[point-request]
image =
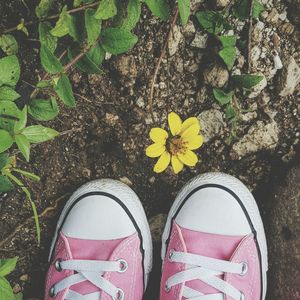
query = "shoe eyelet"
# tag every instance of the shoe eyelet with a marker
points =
(171, 253)
(123, 265)
(244, 268)
(242, 296)
(52, 293)
(58, 265)
(167, 288)
(120, 295)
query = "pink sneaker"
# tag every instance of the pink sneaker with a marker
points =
(102, 246)
(214, 245)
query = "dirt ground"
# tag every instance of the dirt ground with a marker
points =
(106, 135)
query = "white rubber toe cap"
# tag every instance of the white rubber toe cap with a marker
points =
(213, 210)
(98, 217)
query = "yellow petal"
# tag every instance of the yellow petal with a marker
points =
(163, 162)
(191, 131)
(188, 122)
(158, 135)
(155, 150)
(189, 158)
(175, 123)
(176, 164)
(194, 142)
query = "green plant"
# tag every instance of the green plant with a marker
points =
(6, 267)
(215, 22)
(90, 29)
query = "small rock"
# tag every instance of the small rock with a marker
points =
(157, 225)
(212, 123)
(256, 90)
(200, 40)
(174, 41)
(126, 180)
(17, 289)
(289, 77)
(111, 119)
(287, 28)
(273, 16)
(221, 3)
(140, 102)
(189, 29)
(24, 277)
(216, 75)
(277, 62)
(259, 137)
(255, 53)
(257, 33)
(126, 66)
(195, 4)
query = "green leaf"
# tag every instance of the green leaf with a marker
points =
(6, 292)
(159, 8)
(9, 114)
(6, 140)
(132, 15)
(8, 94)
(246, 81)
(49, 61)
(23, 145)
(4, 160)
(74, 27)
(19, 296)
(258, 8)
(5, 186)
(38, 134)
(212, 21)
(20, 125)
(184, 7)
(43, 110)
(106, 10)
(46, 38)
(91, 62)
(62, 25)
(64, 91)
(222, 97)
(241, 9)
(8, 44)
(228, 55)
(7, 266)
(228, 40)
(44, 83)
(10, 70)
(43, 8)
(117, 40)
(230, 112)
(28, 175)
(92, 25)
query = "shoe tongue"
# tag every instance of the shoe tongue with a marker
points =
(210, 245)
(91, 250)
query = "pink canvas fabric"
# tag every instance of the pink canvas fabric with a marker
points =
(131, 281)
(231, 248)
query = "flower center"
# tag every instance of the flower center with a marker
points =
(177, 145)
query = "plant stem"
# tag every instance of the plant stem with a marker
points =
(162, 54)
(250, 34)
(56, 16)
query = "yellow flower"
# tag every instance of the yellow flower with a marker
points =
(178, 147)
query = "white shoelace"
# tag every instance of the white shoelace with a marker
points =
(205, 269)
(92, 271)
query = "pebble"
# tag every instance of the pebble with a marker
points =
(175, 39)
(126, 181)
(260, 136)
(200, 40)
(212, 123)
(216, 75)
(289, 77)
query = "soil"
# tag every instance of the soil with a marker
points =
(106, 136)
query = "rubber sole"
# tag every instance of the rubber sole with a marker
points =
(246, 200)
(126, 198)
